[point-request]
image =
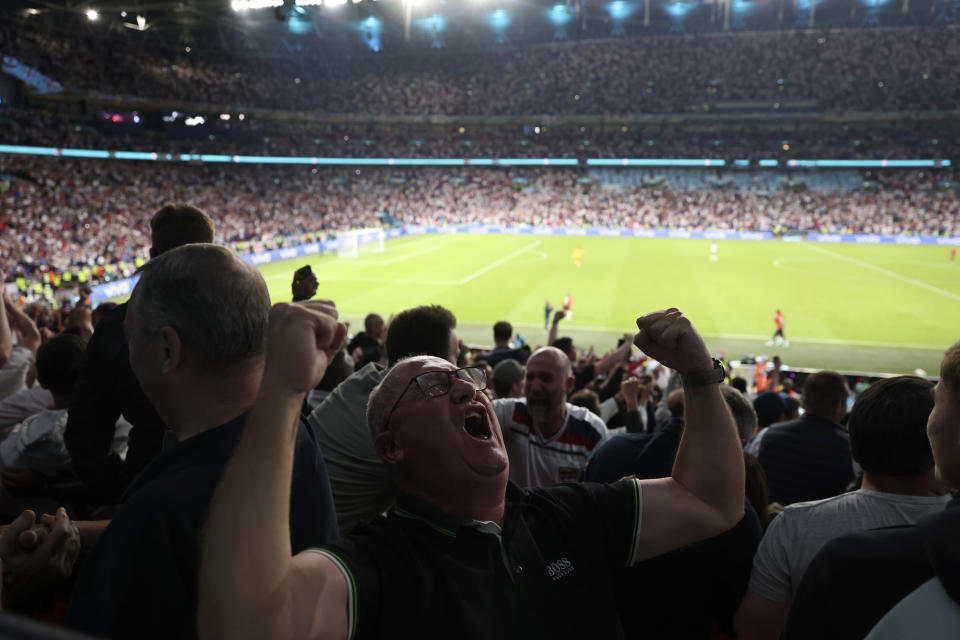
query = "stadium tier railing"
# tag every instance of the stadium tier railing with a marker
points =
(203, 158)
(123, 287)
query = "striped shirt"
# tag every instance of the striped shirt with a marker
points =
(536, 461)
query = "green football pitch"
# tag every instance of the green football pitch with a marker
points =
(876, 308)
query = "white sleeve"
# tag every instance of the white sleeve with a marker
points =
(770, 577)
(503, 408)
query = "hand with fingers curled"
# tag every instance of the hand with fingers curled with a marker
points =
(669, 337)
(37, 554)
(628, 392)
(302, 339)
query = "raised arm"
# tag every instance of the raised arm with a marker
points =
(616, 358)
(557, 317)
(29, 334)
(704, 496)
(250, 586)
(6, 336)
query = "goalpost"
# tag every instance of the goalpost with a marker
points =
(349, 241)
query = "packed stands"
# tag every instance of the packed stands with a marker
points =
(73, 213)
(883, 70)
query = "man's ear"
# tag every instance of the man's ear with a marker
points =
(570, 382)
(390, 452)
(172, 356)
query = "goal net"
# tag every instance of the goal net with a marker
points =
(349, 242)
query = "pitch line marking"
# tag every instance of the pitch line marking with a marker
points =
(387, 279)
(835, 341)
(739, 336)
(886, 272)
(405, 256)
(494, 265)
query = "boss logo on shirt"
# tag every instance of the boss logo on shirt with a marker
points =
(568, 474)
(559, 568)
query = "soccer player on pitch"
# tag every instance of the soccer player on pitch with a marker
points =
(778, 336)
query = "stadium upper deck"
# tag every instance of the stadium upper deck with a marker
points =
(890, 70)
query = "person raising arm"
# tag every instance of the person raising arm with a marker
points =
(442, 435)
(249, 514)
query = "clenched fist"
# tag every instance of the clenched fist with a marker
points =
(669, 337)
(303, 337)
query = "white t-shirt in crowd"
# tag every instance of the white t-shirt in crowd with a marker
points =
(37, 443)
(13, 374)
(796, 535)
(536, 461)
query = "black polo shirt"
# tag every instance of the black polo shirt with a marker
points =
(548, 573)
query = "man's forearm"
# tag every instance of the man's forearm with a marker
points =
(244, 580)
(6, 336)
(709, 462)
(615, 358)
(90, 531)
(553, 331)
(30, 335)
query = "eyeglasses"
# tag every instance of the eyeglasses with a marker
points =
(434, 384)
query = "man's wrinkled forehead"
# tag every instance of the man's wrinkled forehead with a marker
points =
(410, 367)
(406, 370)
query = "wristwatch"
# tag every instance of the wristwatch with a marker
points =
(703, 378)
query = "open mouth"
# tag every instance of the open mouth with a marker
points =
(475, 424)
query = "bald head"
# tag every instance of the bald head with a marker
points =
(552, 357)
(549, 379)
(385, 394)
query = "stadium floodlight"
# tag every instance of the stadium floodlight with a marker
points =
(334, 3)
(370, 30)
(433, 24)
(499, 20)
(620, 10)
(194, 121)
(558, 15)
(92, 15)
(679, 10)
(244, 5)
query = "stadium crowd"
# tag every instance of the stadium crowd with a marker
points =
(264, 473)
(196, 463)
(728, 140)
(71, 214)
(838, 70)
